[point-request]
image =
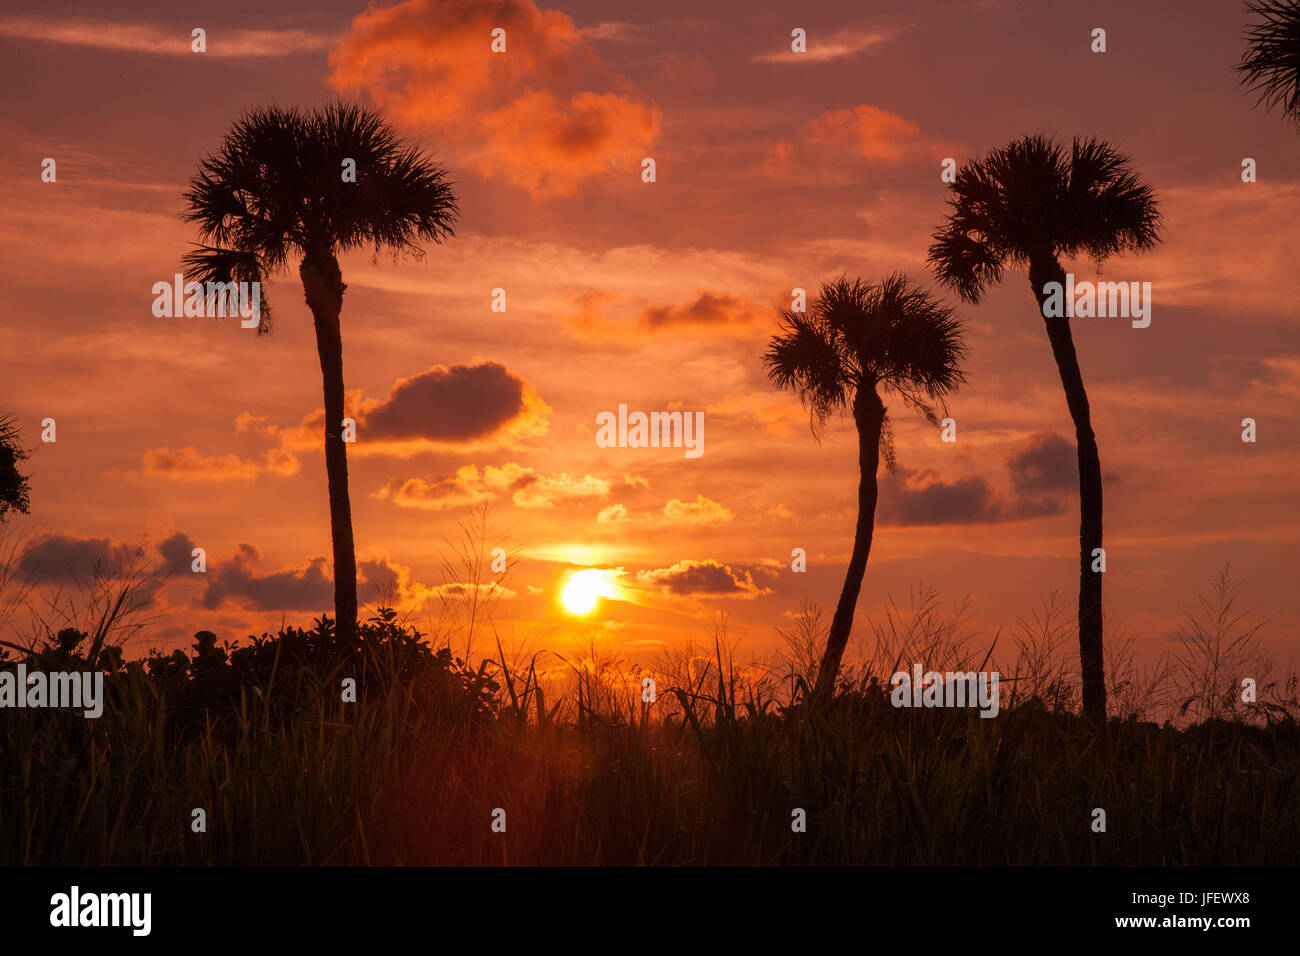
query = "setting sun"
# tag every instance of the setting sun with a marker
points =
(583, 590)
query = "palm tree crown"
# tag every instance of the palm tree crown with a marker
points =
(1270, 66)
(858, 335)
(276, 187)
(1031, 200)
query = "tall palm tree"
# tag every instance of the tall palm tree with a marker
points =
(277, 189)
(1029, 204)
(855, 339)
(1270, 65)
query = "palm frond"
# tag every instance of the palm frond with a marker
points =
(1270, 64)
(276, 187)
(858, 335)
(1032, 199)
(213, 264)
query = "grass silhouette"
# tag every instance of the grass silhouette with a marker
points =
(588, 773)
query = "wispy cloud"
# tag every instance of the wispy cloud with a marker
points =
(154, 39)
(837, 46)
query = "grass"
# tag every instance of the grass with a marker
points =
(711, 773)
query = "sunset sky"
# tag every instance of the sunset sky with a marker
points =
(774, 171)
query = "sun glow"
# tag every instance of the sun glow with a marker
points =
(584, 589)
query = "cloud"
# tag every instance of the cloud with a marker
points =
(60, 558)
(189, 466)
(430, 65)
(844, 43)
(549, 146)
(707, 313)
(459, 406)
(237, 581)
(525, 486)
(153, 39)
(702, 579)
(1046, 463)
(530, 489)
(910, 497)
(862, 133)
(456, 404)
(450, 491)
(186, 464)
(309, 587)
(460, 589)
(675, 514)
(615, 30)
(177, 553)
(708, 309)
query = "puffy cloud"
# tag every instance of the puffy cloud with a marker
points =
(531, 489)
(309, 587)
(457, 404)
(707, 313)
(462, 406)
(702, 579)
(526, 487)
(675, 514)
(177, 553)
(451, 491)
(1047, 462)
(430, 65)
(237, 581)
(59, 558)
(707, 309)
(911, 497)
(186, 464)
(549, 146)
(861, 133)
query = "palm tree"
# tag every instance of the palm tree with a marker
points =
(278, 187)
(854, 339)
(1029, 204)
(1270, 66)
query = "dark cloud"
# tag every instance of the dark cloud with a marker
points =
(459, 403)
(380, 581)
(706, 309)
(702, 579)
(306, 588)
(58, 558)
(1046, 463)
(309, 588)
(910, 497)
(177, 553)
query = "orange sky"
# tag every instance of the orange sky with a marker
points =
(773, 172)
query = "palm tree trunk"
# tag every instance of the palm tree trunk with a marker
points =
(869, 414)
(322, 282)
(1091, 657)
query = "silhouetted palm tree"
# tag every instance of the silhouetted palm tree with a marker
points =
(855, 338)
(276, 189)
(1029, 204)
(1270, 65)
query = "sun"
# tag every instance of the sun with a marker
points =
(582, 591)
